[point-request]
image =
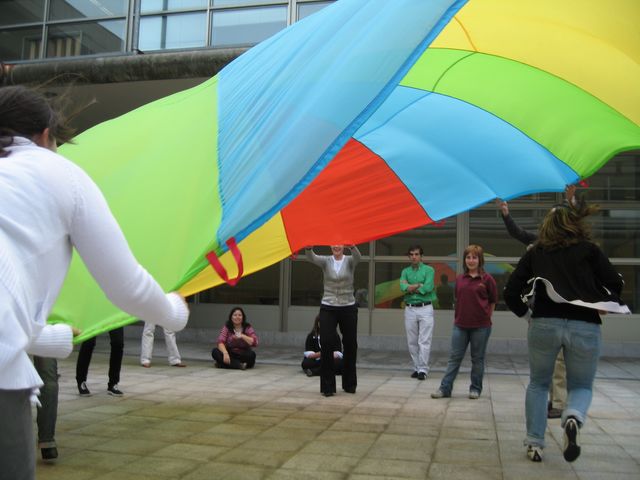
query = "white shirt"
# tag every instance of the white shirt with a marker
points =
(47, 206)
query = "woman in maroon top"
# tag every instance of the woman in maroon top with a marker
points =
(476, 297)
(236, 342)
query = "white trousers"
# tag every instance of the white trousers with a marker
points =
(146, 351)
(418, 322)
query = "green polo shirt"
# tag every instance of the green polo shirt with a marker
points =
(424, 274)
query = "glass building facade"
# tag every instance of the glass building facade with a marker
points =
(44, 29)
(48, 30)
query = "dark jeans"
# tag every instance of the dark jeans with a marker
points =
(460, 338)
(314, 365)
(237, 359)
(347, 319)
(47, 368)
(115, 358)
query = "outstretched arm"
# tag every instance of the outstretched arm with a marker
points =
(514, 230)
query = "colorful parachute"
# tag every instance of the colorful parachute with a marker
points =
(345, 127)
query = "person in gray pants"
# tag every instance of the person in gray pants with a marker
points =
(47, 415)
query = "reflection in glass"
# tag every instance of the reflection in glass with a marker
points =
(500, 272)
(164, 5)
(90, 38)
(260, 288)
(616, 231)
(15, 12)
(631, 290)
(161, 32)
(247, 26)
(20, 44)
(617, 181)
(307, 287)
(64, 9)
(435, 240)
(238, 3)
(306, 9)
(389, 295)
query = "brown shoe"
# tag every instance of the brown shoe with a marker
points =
(180, 365)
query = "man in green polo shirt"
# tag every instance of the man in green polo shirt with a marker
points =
(416, 281)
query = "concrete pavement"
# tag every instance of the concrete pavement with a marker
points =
(271, 422)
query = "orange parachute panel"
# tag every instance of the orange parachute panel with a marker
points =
(336, 208)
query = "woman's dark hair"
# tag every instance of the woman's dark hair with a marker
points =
(565, 225)
(26, 112)
(229, 323)
(315, 331)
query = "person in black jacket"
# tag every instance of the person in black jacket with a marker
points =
(558, 389)
(572, 283)
(312, 354)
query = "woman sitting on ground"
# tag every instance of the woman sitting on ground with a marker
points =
(236, 342)
(312, 354)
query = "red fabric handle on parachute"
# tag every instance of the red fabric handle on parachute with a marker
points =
(214, 261)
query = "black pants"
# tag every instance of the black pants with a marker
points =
(347, 319)
(115, 358)
(237, 359)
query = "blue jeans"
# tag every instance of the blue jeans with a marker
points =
(460, 338)
(580, 342)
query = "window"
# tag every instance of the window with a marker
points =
(616, 189)
(487, 229)
(20, 43)
(260, 288)
(306, 9)
(185, 30)
(247, 26)
(15, 12)
(631, 290)
(435, 240)
(72, 9)
(163, 5)
(87, 38)
(387, 288)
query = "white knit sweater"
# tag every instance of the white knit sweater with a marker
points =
(48, 205)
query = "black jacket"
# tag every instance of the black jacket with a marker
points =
(573, 282)
(517, 232)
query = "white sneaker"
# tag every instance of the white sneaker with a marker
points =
(571, 450)
(534, 453)
(474, 394)
(439, 394)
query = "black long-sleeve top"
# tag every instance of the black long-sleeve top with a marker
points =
(517, 232)
(573, 282)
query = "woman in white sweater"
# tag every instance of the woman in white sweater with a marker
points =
(48, 206)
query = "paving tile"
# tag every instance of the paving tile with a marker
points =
(317, 462)
(285, 474)
(455, 471)
(227, 471)
(392, 468)
(158, 466)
